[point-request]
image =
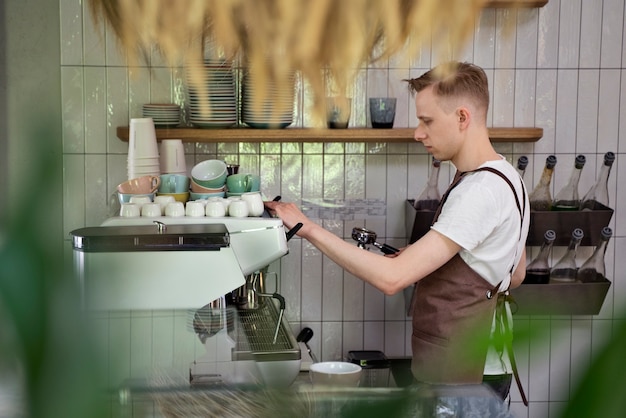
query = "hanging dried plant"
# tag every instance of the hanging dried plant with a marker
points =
(318, 38)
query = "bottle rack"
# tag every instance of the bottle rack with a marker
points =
(545, 299)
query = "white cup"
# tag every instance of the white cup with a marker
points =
(163, 200)
(255, 203)
(130, 210)
(172, 156)
(140, 200)
(142, 142)
(215, 209)
(175, 209)
(194, 209)
(238, 208)
(151, 210)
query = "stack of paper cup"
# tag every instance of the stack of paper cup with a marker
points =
(172, 157)
(143, 152)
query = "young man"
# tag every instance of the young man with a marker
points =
(475, 248)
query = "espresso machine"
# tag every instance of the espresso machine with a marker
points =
(215, 269)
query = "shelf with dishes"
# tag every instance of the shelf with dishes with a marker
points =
(395, 135)
(573, 298)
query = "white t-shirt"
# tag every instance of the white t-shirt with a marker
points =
(481, 216)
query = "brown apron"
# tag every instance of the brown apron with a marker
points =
(453, 310)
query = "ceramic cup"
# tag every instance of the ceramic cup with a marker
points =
(175, 209)
(243, 183)
(382, 112)
(142, 142)
(238, 209)
(172, 156)
(140, 200)
(140, 185)
(215, 209)
(255, 203)
(338, 112)
(151, 210)
(163, 200)
(130, 210)
(125, 197)
(174, 183)
(194, 209)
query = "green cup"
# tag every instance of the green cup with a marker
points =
(243, 183)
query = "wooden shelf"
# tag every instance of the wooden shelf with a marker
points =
(397, 135)
(515, 3)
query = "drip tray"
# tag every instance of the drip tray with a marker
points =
(254, 339)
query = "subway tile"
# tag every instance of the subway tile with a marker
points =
(394, 339)
(503, 97)
(581, 350)
(373, 304)
(505, 38)
(608, 110)
(71, 32)
(569, 34)
(548, 36)
(587, 111)
(590, 34)
(332, 291)
(399, 89)
(353, 290)
(332, 348)
(114, 53)
(567, 83)
(73, 192)
(93, 40)
(612, 44)
(618, 286)
(526, 38)
(116, 107)
(141, 361)
(96, 192)
(161, 86)
(138, 90)
(311, 283)
(396, 195)
(539, 362)
(352, 336)
(95, 110)
(484, 38)
(374, 335)
(72, 98)
(560, 359)
(545, 112)
(524, 99)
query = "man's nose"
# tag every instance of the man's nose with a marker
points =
(419, 135)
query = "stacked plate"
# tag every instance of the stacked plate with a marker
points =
(165, 115)
(212, 104)
(267, 107)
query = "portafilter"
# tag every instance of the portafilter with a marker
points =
(364, 236)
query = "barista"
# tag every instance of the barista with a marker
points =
(475, 248)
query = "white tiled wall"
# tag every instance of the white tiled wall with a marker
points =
(559, 67)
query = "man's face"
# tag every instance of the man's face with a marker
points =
(437, 128)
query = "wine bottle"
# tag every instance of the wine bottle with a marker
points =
(540, 198)
(593, 269)
(522, 163)
(567, 199)
(428, 199)
(598, 196)
(565, 269)
(538, 271)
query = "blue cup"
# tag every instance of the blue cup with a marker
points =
(174, 183)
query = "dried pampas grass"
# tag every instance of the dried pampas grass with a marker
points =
(321, 39)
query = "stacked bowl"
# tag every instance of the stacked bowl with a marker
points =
(164, 115)
(143, 152)
(267, 105)
(212, 98)
(208, 179)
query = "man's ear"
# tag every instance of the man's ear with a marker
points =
(463, 116)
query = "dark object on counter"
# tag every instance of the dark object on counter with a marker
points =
(375, 367)
(305, 336)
